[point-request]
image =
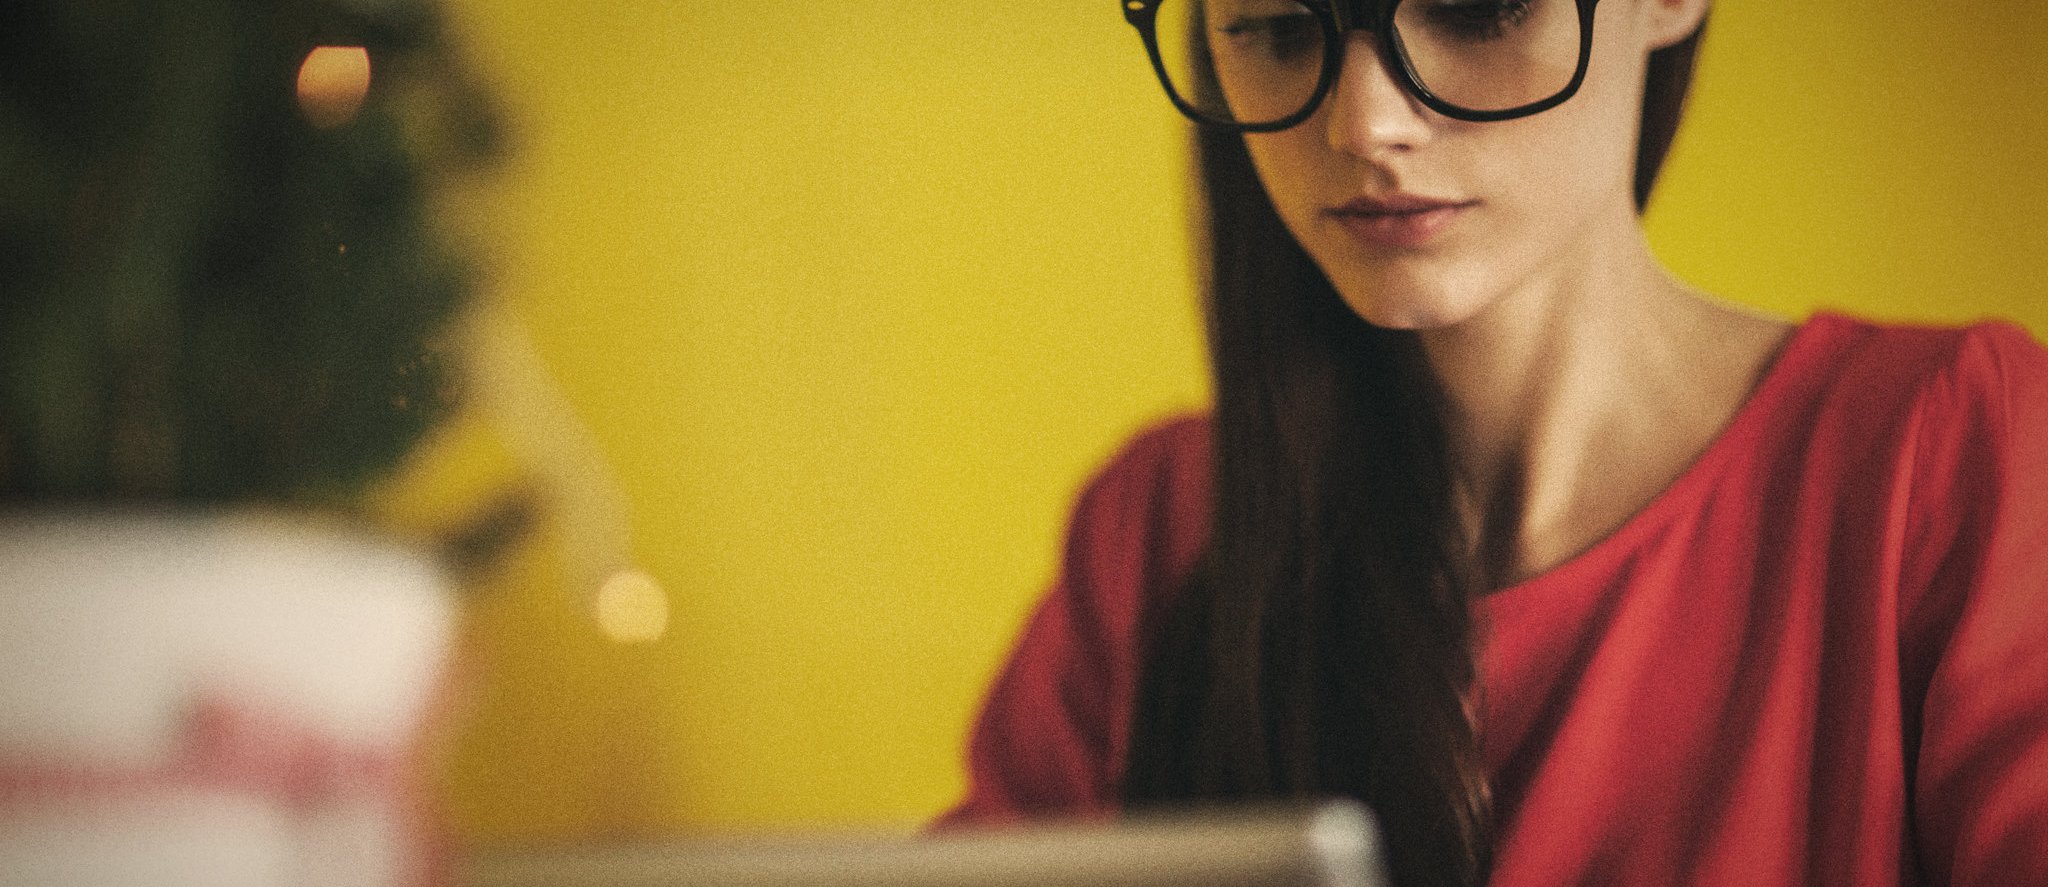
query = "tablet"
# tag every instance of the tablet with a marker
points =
(1330, 845)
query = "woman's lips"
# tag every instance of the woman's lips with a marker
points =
(1398, 221)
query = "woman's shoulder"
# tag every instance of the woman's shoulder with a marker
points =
(1979, 357)
(1051, 736)
(1176, 445)
(1873, 380)
(1143, 519)
(1957, 418)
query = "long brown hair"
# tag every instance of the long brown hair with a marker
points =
(1323, 645)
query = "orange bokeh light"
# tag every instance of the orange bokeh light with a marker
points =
(333, 81)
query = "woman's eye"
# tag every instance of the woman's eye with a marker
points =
(1285, 36)
(1478, 21)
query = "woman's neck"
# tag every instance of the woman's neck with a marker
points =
(1575, 400)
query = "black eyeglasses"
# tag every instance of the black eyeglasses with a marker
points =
(1264, 65)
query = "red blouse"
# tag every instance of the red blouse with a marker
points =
(1819, 657)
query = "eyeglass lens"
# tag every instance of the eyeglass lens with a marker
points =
(1258, 61)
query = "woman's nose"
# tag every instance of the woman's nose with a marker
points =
(1369, 114)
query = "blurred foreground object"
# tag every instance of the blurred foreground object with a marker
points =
(209, 299)
(222, 300)
(215, 701)
(1335, 844)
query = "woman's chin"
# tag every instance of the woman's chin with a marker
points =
(1412, 292)
(1402, 309)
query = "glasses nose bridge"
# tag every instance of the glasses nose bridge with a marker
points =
(1361, 14)
(1373, 17)
(1369, 104)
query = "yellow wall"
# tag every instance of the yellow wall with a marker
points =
(1886, 159)
(853, 295)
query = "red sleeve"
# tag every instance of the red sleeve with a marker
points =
(1981, 775)
(1050, 738)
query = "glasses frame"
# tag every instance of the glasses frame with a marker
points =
(1143, 15)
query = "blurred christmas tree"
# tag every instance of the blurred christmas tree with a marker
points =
(212, 287)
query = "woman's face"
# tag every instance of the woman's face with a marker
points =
(1424, 221)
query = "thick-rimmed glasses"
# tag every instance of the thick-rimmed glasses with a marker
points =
(1264, 65)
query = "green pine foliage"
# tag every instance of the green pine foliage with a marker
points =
(205, 298)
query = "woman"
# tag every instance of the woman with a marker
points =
(1573, 574)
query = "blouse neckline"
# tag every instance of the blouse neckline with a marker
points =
(1789, 370)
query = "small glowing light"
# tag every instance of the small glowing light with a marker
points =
(333, 80)
(631, 608)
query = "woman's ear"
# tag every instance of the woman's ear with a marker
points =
(1669, 21)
